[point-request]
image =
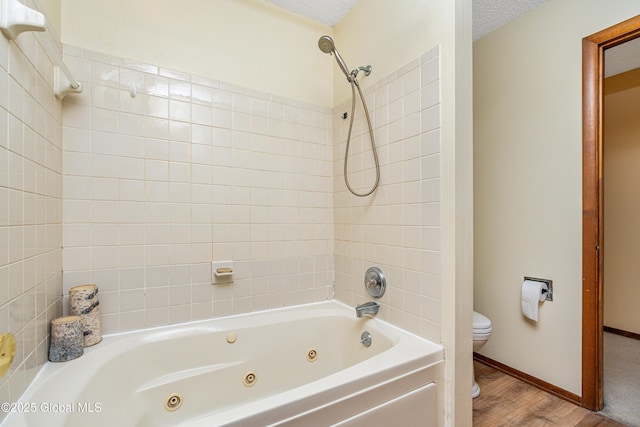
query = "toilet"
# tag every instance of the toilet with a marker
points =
(481, 333)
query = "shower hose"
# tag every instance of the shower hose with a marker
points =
(354, 85)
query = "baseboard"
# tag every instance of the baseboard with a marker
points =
(621, 332)
(536, 382)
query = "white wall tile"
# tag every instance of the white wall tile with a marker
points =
(104, 189)
(394, 90)
(156, 85)
(131, 256)
(104, 234)
(105, 74)
(156, 128)
(179, 172)
(179, 89)
(130, 124)
(30, 219)
(103, 257)
(430, 119)
(131, 212)
(131, 168)
(77, 163)
(156, 170)
(156, 149)
(104, 166)
(104, 120)
(106, 97)
(179, 151)
(179, 131)
(399, 227)
(201, 134)
(240, 121)
(76, 187)
(430, 94)
(430, 71)
(201, 93)
(77, 211)
(201, 114)
(130, 300)
(186, 173)
(430, 190)
(76, 258)
(223, 118)
(103, 210)
(104, 143)
(180, 110)
(131, 234)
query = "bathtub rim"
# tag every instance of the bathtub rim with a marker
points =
(196, 326)
(359, 375)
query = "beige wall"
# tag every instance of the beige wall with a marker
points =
(249, 43)
(386, 35)
(52, 10)
(622, 204)
(527, 181)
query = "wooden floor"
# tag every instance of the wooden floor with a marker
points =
(507, 401)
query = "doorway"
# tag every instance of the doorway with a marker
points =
(593, 48)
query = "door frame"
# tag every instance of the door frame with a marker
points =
(593, 48)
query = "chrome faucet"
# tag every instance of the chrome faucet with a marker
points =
(370, 307)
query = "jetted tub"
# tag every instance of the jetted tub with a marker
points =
(302, 365)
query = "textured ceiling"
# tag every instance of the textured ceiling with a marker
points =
(328, 12)
(488, 15)
(621, 58)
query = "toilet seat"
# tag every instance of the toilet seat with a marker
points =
(481, 326)
(481, 334)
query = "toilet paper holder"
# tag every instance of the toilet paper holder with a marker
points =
(548, 292)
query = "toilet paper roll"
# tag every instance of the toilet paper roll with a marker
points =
(531, 296)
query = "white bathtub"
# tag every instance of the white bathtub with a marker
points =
(127, 378)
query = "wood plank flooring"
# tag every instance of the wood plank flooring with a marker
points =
(507, 401)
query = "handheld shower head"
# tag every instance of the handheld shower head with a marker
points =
(326, 44)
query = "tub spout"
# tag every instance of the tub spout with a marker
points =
(370, 307)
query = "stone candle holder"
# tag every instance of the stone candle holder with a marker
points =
(66, 339)
(83, 301)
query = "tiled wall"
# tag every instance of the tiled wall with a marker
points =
(188, 171)
(30, 205)
(398, 228)
(192, 170)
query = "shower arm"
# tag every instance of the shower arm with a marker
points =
(352, 77)
(367, 70)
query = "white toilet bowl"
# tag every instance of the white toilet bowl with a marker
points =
(481, 333)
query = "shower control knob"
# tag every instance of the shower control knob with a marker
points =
(375, 282)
